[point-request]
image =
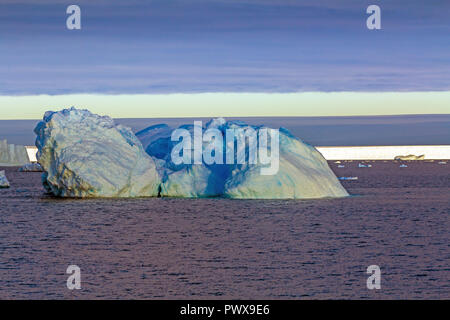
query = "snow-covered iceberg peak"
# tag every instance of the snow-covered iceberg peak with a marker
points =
(86, 155)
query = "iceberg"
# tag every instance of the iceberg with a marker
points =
(4, 183)
(303, 172)
(86, 155)
(12, 155)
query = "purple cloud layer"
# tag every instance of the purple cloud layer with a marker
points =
(215, 45)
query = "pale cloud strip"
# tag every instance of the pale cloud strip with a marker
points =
(232, 104)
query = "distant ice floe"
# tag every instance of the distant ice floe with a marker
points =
(85, 155)
(4, 183)
(410, 157)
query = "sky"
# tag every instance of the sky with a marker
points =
(171, 58)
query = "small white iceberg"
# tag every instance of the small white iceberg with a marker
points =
(341, 166)
(362, 165)
(4, 183)
(403, 166)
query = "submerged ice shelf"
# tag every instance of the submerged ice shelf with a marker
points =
(86, 155)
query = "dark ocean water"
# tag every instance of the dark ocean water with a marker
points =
(397, 218)
(318, 131)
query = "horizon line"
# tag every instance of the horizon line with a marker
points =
(193, 117)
